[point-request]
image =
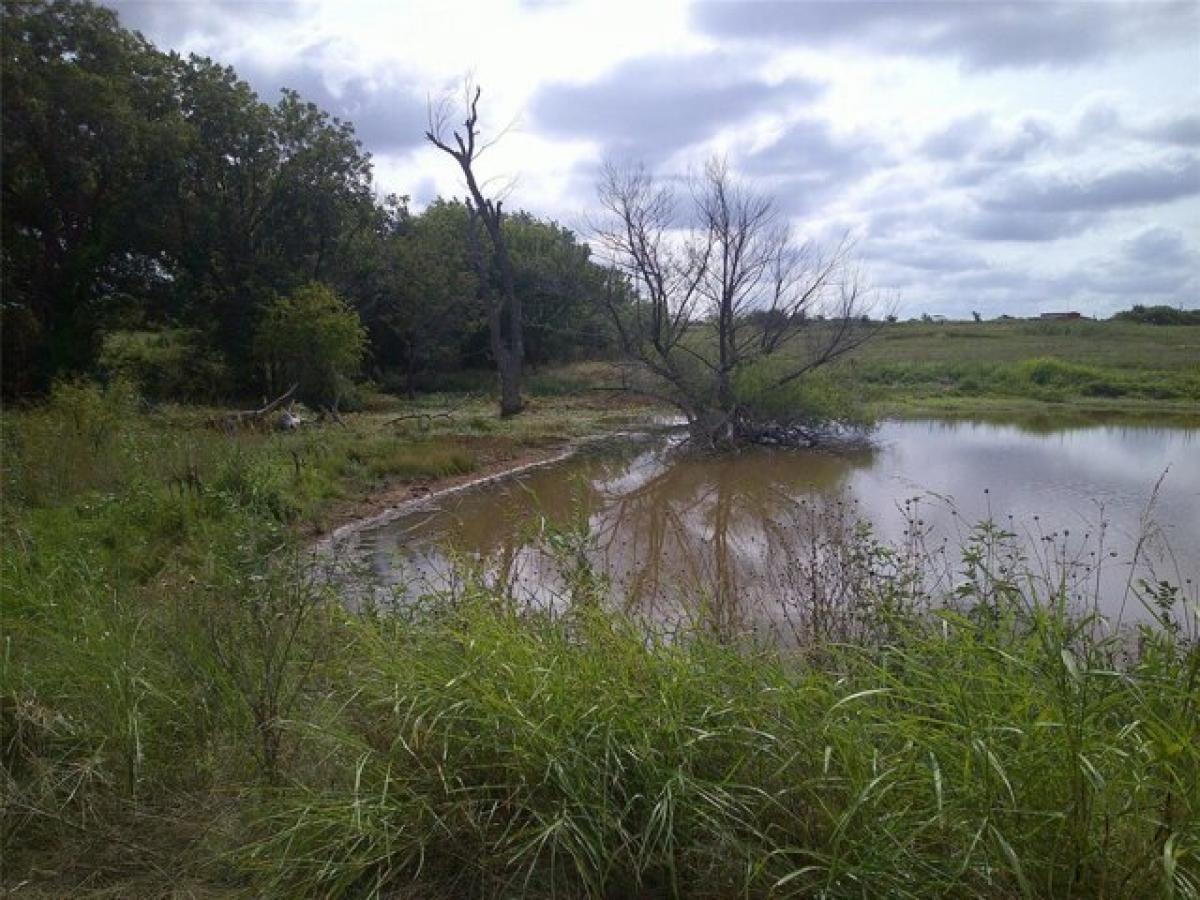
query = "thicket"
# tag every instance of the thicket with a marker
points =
(313, 340)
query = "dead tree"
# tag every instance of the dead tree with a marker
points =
(505, 326)
(730, 292)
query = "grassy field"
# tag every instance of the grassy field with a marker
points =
(187, 708)
(913, 368)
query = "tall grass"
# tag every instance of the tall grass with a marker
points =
(185, 705)
(489, 753)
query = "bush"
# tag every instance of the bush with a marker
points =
(1159, 315)
(822, 396)
(170, 364)
(74, 443)
(311, 338)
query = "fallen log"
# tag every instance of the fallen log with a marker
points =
(424, 418)
(231, 422)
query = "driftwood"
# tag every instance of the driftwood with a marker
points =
(235, 420)
(425, 419)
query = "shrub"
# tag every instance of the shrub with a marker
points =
(170, 364)
(824, 395)
(1159, 315)
(311, 338)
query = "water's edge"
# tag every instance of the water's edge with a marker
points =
(348, 530)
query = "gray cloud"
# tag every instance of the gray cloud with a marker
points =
(1157, 182)
(1129, 281)
(984, 34)
(1030, 135)
(958, 139)
(387, 116)
(1183, 129)
(1159, 247)
(809, 163)
(979, 139)
(168, 24)
(653, 107)
(1021, 225)
(926, 256)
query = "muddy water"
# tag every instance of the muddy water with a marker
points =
(673, 532)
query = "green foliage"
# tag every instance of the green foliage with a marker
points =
(561, 289)
(825, 395)
(173, 363)
(1159, 315)
(313, 339)
(179, 202)
(91, 147)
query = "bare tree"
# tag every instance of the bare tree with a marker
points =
(505, 331)
(731, 292)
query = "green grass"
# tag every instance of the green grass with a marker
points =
(491, 754)
(1105, 365)
(186, 707)
(1116, 345)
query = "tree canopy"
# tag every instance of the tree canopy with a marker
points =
(145, 192)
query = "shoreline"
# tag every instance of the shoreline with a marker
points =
(401, 499)
(393, 503)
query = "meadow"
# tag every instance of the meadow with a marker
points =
(917, 367)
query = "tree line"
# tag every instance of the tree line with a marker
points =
(160, 216)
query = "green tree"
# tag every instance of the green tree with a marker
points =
(274, 198)
(313, 339)
(430, 309)
(92, 140)
(562, 291)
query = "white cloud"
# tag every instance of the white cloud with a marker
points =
(994, 155)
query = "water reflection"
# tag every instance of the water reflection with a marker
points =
(732, 538)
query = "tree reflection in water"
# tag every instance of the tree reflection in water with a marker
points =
(768, 540)
(761, 541)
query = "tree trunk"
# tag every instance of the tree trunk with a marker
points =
(508, 348)
(510, 385)
(410, 371)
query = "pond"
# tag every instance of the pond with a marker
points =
(742, 535)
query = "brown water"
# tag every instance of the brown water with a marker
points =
(672, 532)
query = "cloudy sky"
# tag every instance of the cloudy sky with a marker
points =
(1006, 157)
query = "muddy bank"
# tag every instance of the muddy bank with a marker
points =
(392, 503)
(387, 504)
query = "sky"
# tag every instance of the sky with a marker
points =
(1000, 157)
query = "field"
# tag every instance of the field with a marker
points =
(913, 368)
(188, 710)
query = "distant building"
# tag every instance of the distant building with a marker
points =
(1061, 316)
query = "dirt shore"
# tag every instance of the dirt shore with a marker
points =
(397, 500)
